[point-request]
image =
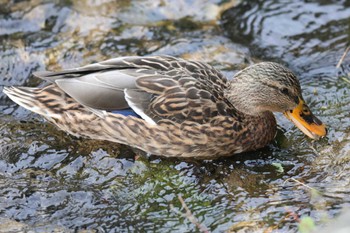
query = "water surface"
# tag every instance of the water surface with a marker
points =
(52, 181)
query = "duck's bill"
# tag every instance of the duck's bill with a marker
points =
(303, 118)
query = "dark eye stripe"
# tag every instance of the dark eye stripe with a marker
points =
(284, 91)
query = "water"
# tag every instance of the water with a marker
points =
(52, 181)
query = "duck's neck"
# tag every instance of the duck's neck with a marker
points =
(260, 130)
(260, 123)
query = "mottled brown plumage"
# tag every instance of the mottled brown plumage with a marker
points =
(189, 109)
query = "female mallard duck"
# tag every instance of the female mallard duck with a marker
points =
(171, 107)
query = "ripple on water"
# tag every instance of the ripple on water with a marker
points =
(307, 35)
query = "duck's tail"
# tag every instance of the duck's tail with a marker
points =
(43, 101)
(78, 120)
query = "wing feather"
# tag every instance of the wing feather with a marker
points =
(157, 88)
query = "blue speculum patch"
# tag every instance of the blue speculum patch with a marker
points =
(126, 112)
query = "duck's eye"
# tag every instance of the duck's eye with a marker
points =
(285, 91)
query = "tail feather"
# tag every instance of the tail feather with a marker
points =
(24, 97)
(38, 100)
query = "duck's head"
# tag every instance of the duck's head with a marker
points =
(269, 86)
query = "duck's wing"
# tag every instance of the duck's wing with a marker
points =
(101, 88)
(156, 88)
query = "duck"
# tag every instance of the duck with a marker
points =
(171, 107)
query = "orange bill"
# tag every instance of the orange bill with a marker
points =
(303, 118)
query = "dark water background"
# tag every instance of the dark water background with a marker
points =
(52, 181)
